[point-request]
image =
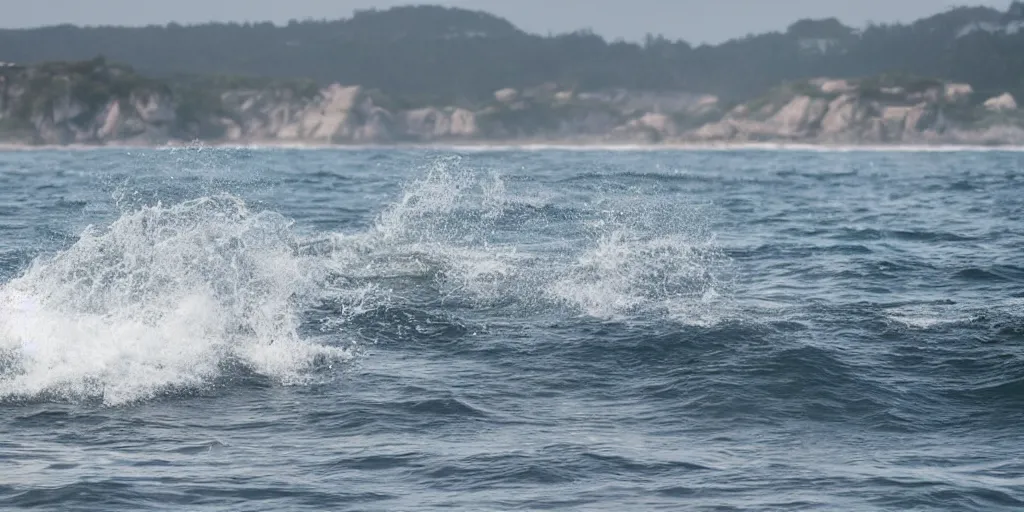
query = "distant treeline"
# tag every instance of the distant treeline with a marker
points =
(450, 55)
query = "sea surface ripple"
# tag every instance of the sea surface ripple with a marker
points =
(384, 329)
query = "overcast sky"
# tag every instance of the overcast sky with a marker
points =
(694, 20)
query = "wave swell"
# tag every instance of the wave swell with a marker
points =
(171, 297)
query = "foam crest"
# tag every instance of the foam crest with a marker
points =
(631, 271)
(180, 297)
(425, 208)
(475, 241)
(165, 298)
(440, 231)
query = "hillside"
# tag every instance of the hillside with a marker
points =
(455, 56)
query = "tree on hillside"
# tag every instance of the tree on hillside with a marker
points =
(451, 54)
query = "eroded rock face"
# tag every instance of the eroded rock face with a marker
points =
(429, 124)
(111, 121)
(328, 119)
(799, 117)
(840, 115)
(338, 114)
(154, 108)
(62, 118)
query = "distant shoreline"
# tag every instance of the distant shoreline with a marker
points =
(532, 146)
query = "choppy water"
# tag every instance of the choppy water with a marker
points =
(202, 329)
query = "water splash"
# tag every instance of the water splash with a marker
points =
(177, 297)
(164, 298)
(477, 242)
(642, 257)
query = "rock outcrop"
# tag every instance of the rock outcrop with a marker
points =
(884, 110)
(83, 103)
(336, 114)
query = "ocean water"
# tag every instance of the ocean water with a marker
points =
(256, 329)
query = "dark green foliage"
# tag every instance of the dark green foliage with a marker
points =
(425, 22)
(827, 28)
(433, 52)
(457, 56)
(13, 128)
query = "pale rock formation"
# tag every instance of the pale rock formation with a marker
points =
(325, 120)
(464, 124)
(507, 95)
(957, 92)
(723, 130)
(660, 123)
(111, 121)
(834, 86)
(790, 118)
(154, 108)
(896, 114)
(842, 113)
(799, 116)
(1001, 103)
(914, 121)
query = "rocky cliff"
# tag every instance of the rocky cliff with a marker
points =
(98, 103)
(879, 110)
(83, 103)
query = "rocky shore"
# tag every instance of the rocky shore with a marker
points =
(95, 103)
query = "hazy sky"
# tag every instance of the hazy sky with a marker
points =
(694, 20)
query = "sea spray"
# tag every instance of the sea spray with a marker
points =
(644, 258)
(466, 239)
(163, 298)
(182, 296)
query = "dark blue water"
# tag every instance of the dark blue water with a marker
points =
(206, 329)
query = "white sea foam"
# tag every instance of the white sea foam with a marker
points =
(936, 316)
(631, 255)
(647, 262)
(164, 298)
(928, 316)
(439, 229)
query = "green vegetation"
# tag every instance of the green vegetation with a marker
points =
(15, 129)
(450, 55)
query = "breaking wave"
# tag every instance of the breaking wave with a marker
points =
(172, 298)
(163, 298)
